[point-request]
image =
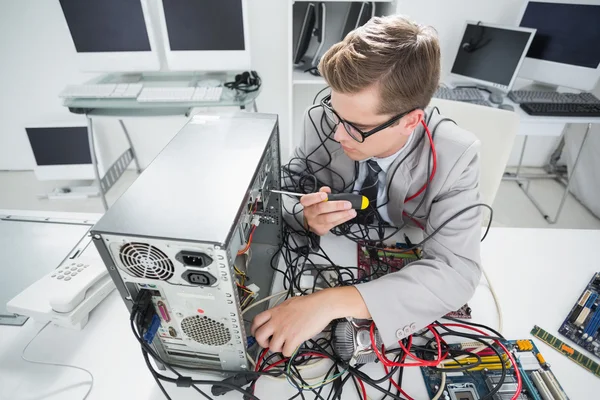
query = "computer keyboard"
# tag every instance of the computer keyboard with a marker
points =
(102, 91)
(562, 109)
(459, 94)
(179, 94)
(527, 96)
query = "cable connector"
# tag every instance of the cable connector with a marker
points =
(256, 220)
(152, 329)
(236, 380)
(140, 303)
(184, 381)
(253, 288)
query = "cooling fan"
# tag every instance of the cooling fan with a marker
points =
(143, 260)
(352, 341)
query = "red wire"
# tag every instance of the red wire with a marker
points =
(421, 363)
(414, 220)
(396, 385)
(245, 249)
(434, 154)
(508, 353)
(362, 388)
(262, 355)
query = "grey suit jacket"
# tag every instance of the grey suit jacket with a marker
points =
(445, 279)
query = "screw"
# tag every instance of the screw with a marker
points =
(96, 236)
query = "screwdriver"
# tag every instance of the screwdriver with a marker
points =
(359, 202)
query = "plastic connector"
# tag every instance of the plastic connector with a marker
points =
(253, 288)
(250, 341)
(184, 381)
(141, 303)
(236, 380)
(152, 329)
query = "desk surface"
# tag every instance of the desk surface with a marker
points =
(537, 273)
(106, 106)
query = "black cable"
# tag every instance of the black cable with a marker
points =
(318, 93)
(498, 334)
(192, 381)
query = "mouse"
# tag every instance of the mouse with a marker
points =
(507, 107)
(496, 97)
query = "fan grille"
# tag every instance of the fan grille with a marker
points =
(205, 330)
(146, 261)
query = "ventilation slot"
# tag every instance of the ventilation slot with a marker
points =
(145, 261)
(205, 330)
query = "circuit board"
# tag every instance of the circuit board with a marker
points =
(376, 262)
(538, 381)
(566, 350)
(583, 322)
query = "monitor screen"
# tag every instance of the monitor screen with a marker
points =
(490, 54)
(99, 26)
(204, 25)
(566, 33)
(60, 145)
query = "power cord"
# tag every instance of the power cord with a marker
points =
(56, 364)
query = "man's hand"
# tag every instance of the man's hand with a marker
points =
(321, 216)
(288, 325)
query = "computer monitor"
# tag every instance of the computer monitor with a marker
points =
(205, 35)
(61, 152)
(320, 31)
(565, 50)
(111, 35)
(306, 30)
(358, 14)
(491, 54)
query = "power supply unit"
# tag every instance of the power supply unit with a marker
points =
(176, 233)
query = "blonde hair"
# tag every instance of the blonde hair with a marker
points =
(399, 56)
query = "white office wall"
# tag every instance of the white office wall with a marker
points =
(448, 18)
(38, 60)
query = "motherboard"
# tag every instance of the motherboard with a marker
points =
(374, 262)
(538, 381)
(583, 322)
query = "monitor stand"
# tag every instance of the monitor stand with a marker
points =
(75, 191)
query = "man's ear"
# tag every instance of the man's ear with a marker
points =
(412, 120)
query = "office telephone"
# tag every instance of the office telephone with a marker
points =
(66, 295)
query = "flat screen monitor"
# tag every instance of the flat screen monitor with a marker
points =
(491, 54)
(61, 152)
(111, 35)
(566, 47)
(307, 28)
(205, 35)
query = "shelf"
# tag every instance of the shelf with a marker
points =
(300, 77)
(344, 1)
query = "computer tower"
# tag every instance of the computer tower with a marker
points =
(177, 230)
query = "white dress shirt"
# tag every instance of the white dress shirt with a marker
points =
(384, 164)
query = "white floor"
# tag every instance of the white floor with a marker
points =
(19, 190)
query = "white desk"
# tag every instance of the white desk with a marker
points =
(532, 125)
(538, 275)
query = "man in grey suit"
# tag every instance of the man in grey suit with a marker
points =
(416, 167)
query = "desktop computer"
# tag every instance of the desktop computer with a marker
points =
(491, 55)
(191, 243)
(112, 35)
(63, 153)
(565, 50)
(205, 35)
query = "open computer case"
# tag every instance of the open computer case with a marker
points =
(177, 230)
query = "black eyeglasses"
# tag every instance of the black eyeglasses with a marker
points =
(352, 130)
